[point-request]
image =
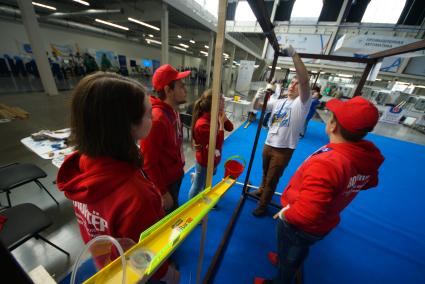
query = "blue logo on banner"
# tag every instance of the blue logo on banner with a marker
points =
(395, 110)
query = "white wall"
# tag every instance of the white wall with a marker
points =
(13, 35)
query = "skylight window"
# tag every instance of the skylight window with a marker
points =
(306, 10)
(244, 13)
(210, 5)
(383, 11)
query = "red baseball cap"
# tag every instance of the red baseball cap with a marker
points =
(355, 115)
(165, 74)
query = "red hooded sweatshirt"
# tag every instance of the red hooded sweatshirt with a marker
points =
(202, 138)
(162, 149)
(110, 197)
(327, 182)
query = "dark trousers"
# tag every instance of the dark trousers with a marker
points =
(174, 190)
(275, 161)
(292, 248)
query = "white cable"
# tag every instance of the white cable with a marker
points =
(88, 245)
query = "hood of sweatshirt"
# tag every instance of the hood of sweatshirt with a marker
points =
(87, 180)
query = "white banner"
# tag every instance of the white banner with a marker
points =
(246, 69)
(303, 43)
(392, 115)
(367, 44)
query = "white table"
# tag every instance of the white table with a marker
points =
(54, 150)
(242, 103)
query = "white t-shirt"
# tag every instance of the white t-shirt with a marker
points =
(286, 122)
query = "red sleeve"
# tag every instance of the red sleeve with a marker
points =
(228, 125)
(316, 194)
(151, 150)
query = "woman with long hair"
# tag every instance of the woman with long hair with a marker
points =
(103, 178)
(200, 138)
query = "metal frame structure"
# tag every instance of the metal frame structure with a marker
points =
(260, 12)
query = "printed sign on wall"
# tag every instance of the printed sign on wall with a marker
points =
(392, 115)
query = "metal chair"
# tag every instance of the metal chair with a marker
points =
(23, 222)
(186, 120)
(15, 175)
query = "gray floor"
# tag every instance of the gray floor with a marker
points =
(53, 113)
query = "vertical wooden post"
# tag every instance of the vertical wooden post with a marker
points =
(218, 61)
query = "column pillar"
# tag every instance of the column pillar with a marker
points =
(35, 37)
(229, 76)
(164, 34)
(209, 59)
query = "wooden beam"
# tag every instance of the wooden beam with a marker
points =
(362, 81)
(216, 94)
(411, 47)
(218, 61)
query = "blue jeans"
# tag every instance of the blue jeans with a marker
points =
(199, 180)
(293, 246)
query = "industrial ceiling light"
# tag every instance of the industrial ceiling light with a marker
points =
(204, 52)
(345, 75)
(225, 54)
(179, 48)
(184, 45)
(44, 6)
(153, 41)
(206, 46)
(192, 41)
(150, 35)
(143, 24)
(179, 36)
(112, 24)
(85, 3)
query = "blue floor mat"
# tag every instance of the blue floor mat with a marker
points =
(379, 240)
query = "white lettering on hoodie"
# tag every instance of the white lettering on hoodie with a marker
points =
(356, 183)
(89, 219)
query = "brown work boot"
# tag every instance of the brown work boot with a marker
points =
(260, 211)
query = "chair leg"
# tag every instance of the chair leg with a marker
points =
(52, 244)
(8, 199)
(45, 189)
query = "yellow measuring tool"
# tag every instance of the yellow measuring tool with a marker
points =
(160, 240)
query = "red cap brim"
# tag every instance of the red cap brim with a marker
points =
(182, 75)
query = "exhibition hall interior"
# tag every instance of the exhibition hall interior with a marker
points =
(212, 141)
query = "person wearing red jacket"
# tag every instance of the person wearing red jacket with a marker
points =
(325, 184)
(201, 135)
(103, 178)
(162, 149)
